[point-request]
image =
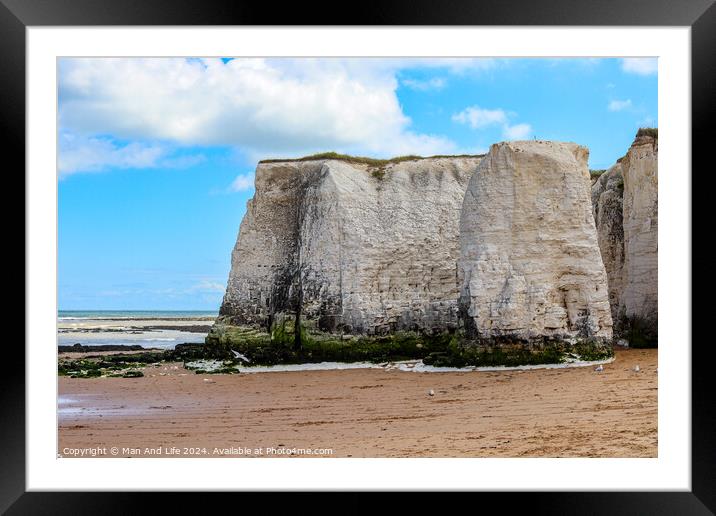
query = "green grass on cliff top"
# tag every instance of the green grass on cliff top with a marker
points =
(643, 131)
(648, 131)
(367, 161)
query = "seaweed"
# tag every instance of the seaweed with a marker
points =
(640, 332)
(445, 349)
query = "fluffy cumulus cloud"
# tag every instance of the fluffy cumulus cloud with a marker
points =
(478, 118)
(640, 65)
(276, 107)
(619, 105)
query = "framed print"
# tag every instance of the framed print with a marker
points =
(417, 252)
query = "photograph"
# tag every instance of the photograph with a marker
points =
(357, 257)
(414, 249)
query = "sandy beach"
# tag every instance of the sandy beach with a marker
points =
(573, 412)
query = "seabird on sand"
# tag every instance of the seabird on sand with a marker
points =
(637, 368)
(240, 356)
(431, 392)
(599, 368)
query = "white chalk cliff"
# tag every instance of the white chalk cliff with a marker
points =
(607, 204)
(350, 248)
(530, 267)
(641, 217)
(513, 247)
(626, 213)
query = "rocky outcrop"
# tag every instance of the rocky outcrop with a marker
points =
(530, 268)
(607, 203)
(625, 201)
(512, 248)
(340, 247)
(641, 216)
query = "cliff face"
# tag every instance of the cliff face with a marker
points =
(607, 202)
(512, 247)
(342, 247)
(625, 203)
(641, 216)
(530, 266)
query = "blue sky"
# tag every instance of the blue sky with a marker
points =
(156, 156)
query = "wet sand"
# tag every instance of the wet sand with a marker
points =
(75, 355)
(574, 412)
(147, 332)
(78, 327)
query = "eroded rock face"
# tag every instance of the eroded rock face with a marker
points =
(625, 200)
(530, 268)
(607, 202)
(347, 248)
(641, 215)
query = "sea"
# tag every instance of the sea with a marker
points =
(134, 314)
(162, 329)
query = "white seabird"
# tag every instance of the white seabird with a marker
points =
(240, 356)
(431, 392)
(599, 368)
(637, 368)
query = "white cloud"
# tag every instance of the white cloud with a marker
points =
(83, 154)
(433, 84)
(640, 65)
(479, 118)
(265, 107)
(242, 183)
(619, 105)
(517, 132)
(95, 154)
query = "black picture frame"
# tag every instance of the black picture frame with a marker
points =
(700, 15)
